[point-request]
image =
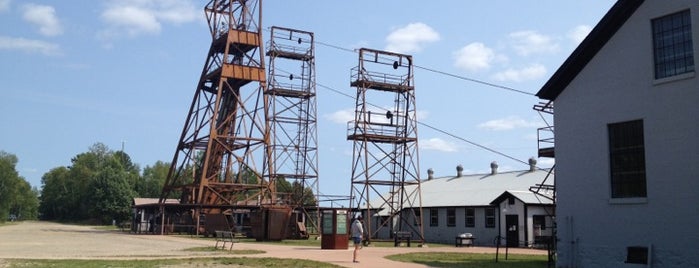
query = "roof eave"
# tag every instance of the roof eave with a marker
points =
(588, 48)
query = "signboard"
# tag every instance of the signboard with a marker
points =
(341, 222)
(328, 222)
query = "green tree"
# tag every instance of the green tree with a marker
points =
(17, 198)
(110, 193)
(55, 194)
(296, 193)
(98, 185)
(152, 181)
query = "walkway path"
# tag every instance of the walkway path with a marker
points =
(46, 240)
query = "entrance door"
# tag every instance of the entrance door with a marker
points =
(512, 234)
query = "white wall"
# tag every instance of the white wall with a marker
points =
(616, 86)
(447, 234)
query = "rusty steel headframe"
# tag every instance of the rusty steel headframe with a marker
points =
(385, 162)
(222, 157)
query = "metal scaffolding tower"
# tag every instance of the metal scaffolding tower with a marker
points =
(291, 98)
(547, 189)
(222, 157)
(385, 170)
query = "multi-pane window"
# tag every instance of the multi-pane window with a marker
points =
(489, 218)
(627, 159)
(451, 217)
(434, 217)
(470, 217)
(672, 45)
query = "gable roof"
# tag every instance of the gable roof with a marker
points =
(588, 48)
(526, 197)
(478, 190)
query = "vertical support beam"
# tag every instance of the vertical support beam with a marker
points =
(291, 95)
(385, 164)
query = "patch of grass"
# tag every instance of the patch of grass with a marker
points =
(235, 251)
(192, 262)
(467, 260)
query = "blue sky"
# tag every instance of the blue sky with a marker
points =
(123, 72)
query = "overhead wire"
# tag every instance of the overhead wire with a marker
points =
(425, 124)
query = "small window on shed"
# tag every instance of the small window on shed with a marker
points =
(511, 200)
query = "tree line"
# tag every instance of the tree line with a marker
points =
(98, 186)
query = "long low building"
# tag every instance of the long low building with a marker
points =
(509, 206)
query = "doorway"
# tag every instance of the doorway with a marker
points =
(512, 234)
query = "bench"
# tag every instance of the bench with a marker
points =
(462, 240)
(398, 237)
(225, 237)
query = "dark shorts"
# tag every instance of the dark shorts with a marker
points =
(357, 240)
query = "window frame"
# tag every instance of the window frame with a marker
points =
(451, 217)
(490, 218)
(627, 167)
(673, 45)
(434, 217)
(539, 219)
(470, 220)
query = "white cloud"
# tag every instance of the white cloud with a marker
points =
(29, 46)
(508, 123)
(44, 17)
(4, 5)
(411, 38)
(474, 57)
(341, 116)
(133, 20)
(531, 42)
(136, 17)
(579, 33)
(437, 144)
(532, 72)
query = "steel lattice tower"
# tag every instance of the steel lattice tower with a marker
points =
(222, 158)
(292, 100)
(385, 168)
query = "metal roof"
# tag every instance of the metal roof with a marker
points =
(479, 190)
(138, 201)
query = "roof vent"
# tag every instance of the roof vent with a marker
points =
(493, 168)
(532, 164)
(459, 171)
(430, 174)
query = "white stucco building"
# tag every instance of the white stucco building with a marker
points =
(627, 139)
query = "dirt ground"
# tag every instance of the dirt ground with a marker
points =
(46, 240)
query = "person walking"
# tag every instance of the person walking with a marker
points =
(357, 233)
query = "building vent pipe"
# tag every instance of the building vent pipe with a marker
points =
(532, 164)
(459, 170)
(493, 168)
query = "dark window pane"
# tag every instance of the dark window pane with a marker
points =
(673, 46)
(627, 159)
